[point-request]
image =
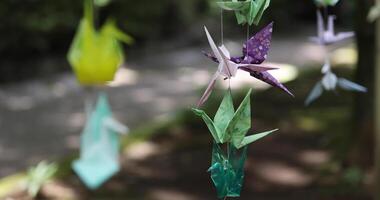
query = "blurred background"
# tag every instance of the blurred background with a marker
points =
(324, 151)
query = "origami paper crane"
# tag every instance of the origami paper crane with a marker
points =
(230, 126)
(227, 170)
(226, 67)
(255, 52)
(95, 56)
(325, 3)
(99, 156)
(330, 82)
(327, 37)
(248, 11)
(374, 13)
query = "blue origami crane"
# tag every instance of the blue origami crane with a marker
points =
(99, 155)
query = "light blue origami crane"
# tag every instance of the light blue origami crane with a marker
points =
(99, 155)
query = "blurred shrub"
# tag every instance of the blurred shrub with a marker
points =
(41, 26)
(30, 29)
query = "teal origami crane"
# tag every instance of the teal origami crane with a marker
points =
(227, 171)
(248, 11)
(230, 127)
(99, 155)
(325, 3)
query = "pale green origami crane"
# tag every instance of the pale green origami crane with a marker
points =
(95, 55)
(230, 126)
(99, 156)
(325, 3)
(248, 11)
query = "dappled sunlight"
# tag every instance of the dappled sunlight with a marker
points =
(59, 190)
(20, 103)
(285, 73)
(73, 141)
(282, 174)
(314, 157)
(141, 151)
(309, 124)
(200, 77)
(169, 194)
(311, 52)
(164, 103)
(345, 56)
(76, 120)
(123, 77)
(143, 95)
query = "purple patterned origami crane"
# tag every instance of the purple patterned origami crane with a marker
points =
(255, 52)
(327, 37)
(227, 67)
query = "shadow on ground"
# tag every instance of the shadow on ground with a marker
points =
(301, 161)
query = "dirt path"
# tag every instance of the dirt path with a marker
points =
(42, 119)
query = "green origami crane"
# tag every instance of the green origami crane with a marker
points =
(227, 169)
(99, 156)
(248, 11)
(325, 3)
(95, 56)
(230, 126)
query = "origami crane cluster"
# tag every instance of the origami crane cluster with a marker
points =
(95, 57)
(255, 52)
(326, 37)
(229, 128)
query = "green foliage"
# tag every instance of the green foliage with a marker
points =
(39, 175)
(353, 176)
(101, 3)
(325, 3)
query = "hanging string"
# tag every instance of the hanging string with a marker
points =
(222, 25)
(326, 50)
(326, 13)
(247, 39)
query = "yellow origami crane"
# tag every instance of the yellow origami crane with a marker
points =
(95, 55)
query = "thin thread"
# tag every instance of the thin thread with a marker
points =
(222, 25)
(326, 12)
(247, 40)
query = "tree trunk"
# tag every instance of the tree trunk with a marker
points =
(363, 131)
(377, 110)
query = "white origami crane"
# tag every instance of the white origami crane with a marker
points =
(327, 37)
(330, 82)
(226, 67)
